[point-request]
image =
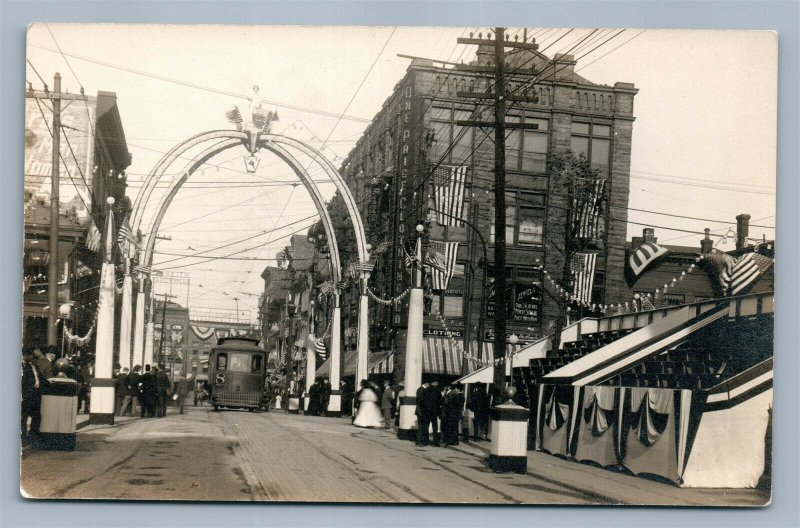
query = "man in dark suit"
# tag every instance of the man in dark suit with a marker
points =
(121, 390)
(163, 390)
(31, 397)
(149, 393)
(429, 405)
(134, 395)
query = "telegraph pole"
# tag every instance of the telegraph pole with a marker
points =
(55, 98)
(499, 95)
(163, 327)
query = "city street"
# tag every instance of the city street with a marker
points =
(242, 456)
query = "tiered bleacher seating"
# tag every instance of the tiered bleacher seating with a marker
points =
(525, 378)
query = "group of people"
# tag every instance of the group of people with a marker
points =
(435, 405)
(149, 391)
(319, 394)
(37, 368)
(375, 407)
(437, 410)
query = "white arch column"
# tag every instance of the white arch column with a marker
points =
(362, 366)
(138, 329)
(335, 402)
(126, 318)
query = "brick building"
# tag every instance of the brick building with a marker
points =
(389, 171)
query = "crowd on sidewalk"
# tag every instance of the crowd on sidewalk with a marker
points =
(144, 393)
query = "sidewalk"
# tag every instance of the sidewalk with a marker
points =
(621, 488)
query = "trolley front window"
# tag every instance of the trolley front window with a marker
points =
(255, 365)
(239, 363)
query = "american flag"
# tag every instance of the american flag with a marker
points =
(448, 191)
(582, 267)
(441, 257)
(366, 266)
(747, 270)
(93, 237)
(234, 116)
(325, 287)
(126, 233)
(587, 209)
(721, 265)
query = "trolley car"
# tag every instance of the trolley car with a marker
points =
(237, 374)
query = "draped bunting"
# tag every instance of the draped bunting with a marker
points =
(650, 410)
(203, 333)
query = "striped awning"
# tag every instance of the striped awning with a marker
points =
(440, 355)
(381, 362)
(348, 365)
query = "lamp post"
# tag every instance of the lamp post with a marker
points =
(413, 357)
(512, 340)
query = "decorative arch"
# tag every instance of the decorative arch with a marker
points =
(285, 148)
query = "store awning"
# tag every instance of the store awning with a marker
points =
(349, 363)
(381, 362)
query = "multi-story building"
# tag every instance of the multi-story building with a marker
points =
(94, 157)
(393, 168)
(170, 338)
(206, 328)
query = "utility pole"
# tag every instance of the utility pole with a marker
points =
(499, 95)
(163, 327)
(52, 267)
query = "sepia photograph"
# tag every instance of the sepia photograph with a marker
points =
(398, 264)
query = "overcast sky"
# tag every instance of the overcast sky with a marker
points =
(703, 140)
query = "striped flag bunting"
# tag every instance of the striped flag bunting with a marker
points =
(441, 257)
(747, 270)
(366, 266)
(319, 346)
(325, 287)
(642, 258)
(448, 191)
(342, 284)
(583, 266)
(144, 270)
(587, 210)
(410, 257)
(93, 237)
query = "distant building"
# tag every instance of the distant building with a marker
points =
(95, 156)
(391, 171)
(170, 338)
(695, 286)
(205, 329)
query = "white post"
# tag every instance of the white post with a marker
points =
(363, 331)
(102, 391)
(125, 321)
(138, 329)
(335, 402)
(148, 338)
(413, 360)
(311, 358)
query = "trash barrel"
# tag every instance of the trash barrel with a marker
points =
(59, 414)
(294, 404)
(509, 437)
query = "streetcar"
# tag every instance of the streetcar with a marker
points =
(237, 374)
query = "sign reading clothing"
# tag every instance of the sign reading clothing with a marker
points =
(524, 302)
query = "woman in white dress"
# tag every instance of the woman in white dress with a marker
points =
(369, 412)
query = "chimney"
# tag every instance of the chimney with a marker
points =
(742, 230)
(649, 235)
(706, 244)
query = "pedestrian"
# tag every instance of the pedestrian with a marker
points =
(429, 408)
(324, 395)
(43, 365)
(479, 405)
(121, 390)
(387, 403)
(347, 399)
(134, 396)
(84, 384)
(149, 393)
(31, 398)
(182, 391)
(369, 414)
(313, 399)
(163, 391)
(452, 410)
